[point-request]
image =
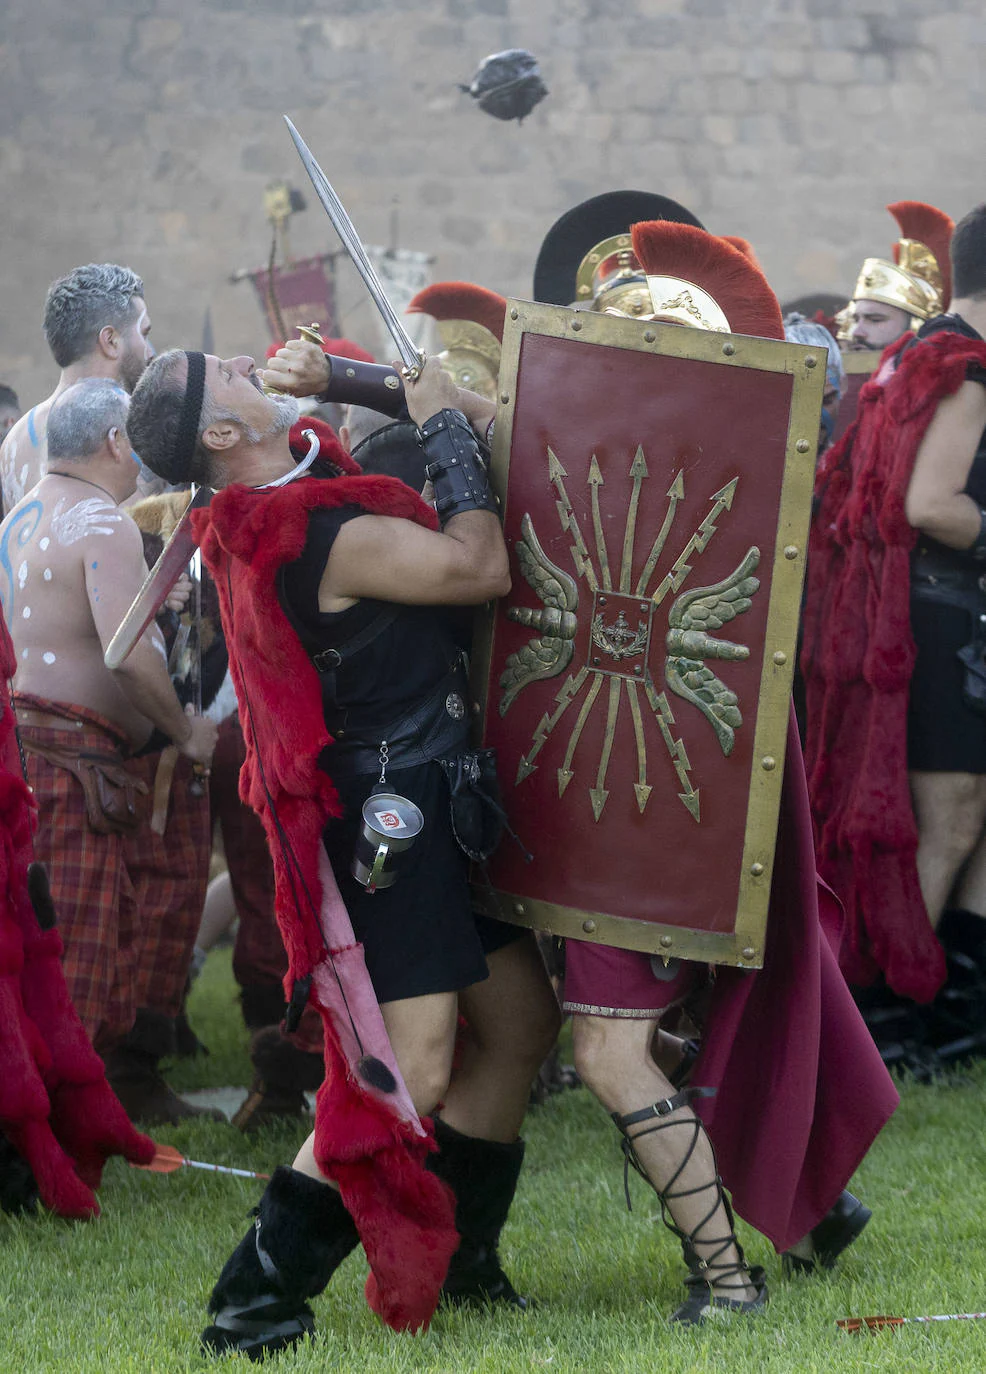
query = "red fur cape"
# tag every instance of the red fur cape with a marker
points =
(56, 1107)
(858, 659)
(403, 1212)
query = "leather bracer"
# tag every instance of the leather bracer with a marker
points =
(455, 466)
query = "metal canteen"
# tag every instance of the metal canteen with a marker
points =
(390, 825)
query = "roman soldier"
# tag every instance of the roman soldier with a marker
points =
(670, 270)
(894, 296)
(896, 744)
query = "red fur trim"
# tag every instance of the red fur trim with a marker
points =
(461, 300)
(858, 659)
(934, 229)
(404, 1215)
(330, 449)
(56, 1107)
(730, 278)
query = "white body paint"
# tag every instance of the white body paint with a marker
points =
(13, 484)
(48, 657)
(94, 515)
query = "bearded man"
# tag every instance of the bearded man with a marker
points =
(96, 324)
(334, 589)
(896, 746)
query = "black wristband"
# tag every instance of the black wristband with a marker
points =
(455, 466)
(978, 550)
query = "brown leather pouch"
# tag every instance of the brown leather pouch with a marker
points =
(110, 791)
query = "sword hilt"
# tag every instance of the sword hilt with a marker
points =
(352, 382)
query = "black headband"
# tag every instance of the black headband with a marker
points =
(191, 413)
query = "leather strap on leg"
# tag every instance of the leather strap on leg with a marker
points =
(660, 1109)
(702, 1271)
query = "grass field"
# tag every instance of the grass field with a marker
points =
(128, 1293)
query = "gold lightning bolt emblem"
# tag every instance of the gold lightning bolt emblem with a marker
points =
(620, 633)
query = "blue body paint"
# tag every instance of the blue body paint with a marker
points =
(16, 535)
(32, 433)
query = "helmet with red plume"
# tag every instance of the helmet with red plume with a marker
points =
(470, 325)
(697, 278)
(923, 226)
(918, 280)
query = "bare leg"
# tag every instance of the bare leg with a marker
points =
(422, 1033)
(970, 891)
(218, 912)
(613, 1057)
(950, 809)
(513, 1021)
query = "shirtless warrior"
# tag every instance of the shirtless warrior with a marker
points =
(71, 562)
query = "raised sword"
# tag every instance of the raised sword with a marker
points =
(410, 355)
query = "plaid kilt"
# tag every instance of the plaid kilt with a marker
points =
(170, 873)
(93, 895)
(258, 955)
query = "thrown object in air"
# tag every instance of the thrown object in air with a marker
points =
(507, 84)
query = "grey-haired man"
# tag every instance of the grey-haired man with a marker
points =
(96, 324)
(71, 561)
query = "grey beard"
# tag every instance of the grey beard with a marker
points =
(286, 412)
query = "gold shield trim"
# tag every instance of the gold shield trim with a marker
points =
(744, 944)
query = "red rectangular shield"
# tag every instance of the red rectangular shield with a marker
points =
(656, 485)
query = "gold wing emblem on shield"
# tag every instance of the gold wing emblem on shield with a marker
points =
(689, 642)
(551, 651)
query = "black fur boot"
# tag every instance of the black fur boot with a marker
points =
(301, 1235)
(483, 1176)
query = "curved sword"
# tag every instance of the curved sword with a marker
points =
(411, 357)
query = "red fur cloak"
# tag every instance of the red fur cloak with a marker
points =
(56, 1107)
(858, 659)
(404, 1214)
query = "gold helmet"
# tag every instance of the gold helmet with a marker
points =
(587, 258)
(470, 325)
(697, 279)
(611, 277)
(918, 279)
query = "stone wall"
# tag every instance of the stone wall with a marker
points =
(145, 131)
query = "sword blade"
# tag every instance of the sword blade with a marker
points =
(410, 356)
(162, 577)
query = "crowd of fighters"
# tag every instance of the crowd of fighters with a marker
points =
(341, 563)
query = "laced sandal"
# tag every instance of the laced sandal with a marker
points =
(710, 1277)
